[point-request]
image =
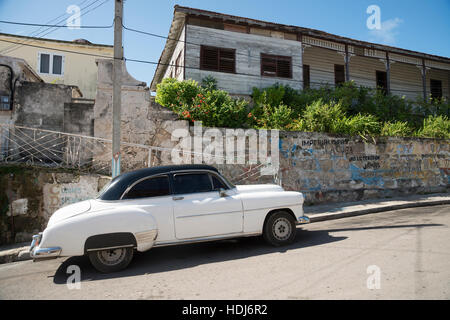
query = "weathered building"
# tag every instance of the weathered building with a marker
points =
(242, 53)
(12, 72)
(59, 61)
(29, 102)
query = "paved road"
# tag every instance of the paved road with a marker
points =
(409, 248)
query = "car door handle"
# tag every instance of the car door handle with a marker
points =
(177, 198)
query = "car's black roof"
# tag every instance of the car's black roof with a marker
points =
(120, 183)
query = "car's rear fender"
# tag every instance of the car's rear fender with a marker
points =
(72, 234)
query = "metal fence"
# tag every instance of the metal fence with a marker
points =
(54, 149)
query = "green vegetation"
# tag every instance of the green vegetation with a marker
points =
(435, 127)
(215, 108)
(347, 109)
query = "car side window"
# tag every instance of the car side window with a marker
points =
(217, 183)
(152, 187)
(192, 183)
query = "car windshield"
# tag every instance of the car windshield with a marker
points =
(106, 187)
(227, 181)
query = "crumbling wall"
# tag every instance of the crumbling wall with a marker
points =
(29, 196)
(333, 168)
(143, 122)
(329, 168)
(79, 118)
(41, 105)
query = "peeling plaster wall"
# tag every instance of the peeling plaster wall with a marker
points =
(329, 169)
(41, 105)
(143, 122)
(29, 196)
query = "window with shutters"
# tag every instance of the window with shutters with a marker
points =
(218, 59)
(306, 76)
(339, 74)
(436, 88)
(276, 66)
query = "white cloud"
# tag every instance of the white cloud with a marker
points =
(387, 33)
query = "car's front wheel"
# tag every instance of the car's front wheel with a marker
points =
(279, 229)
(111, 260)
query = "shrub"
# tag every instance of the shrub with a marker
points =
(173, 94)
(346, 109)
(435, 127)
(272, 117)
(319, 117)
(272, 96)
(396, 129)
(215, 108)
(362, 125)
(209, 83)
(331, 118)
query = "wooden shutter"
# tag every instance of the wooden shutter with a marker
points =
(209, 58)
(268, 66)
(217, 59)
(284, 67)
(276, 66)
(227, 60)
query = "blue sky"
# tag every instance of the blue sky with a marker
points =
(415, 25)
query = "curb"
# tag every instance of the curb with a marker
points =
(357, 212)
(14, 255)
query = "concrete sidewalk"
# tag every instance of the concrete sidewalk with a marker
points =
(316, 213)
(331, 211)
(15, 252)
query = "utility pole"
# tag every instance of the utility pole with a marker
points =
(117, 87)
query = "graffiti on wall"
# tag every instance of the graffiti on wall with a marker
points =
(327, 164)
(59, 195)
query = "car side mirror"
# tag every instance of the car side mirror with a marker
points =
(223, 192)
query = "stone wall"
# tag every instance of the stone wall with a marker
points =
(79, 117)
(331, 168)
(41, 105)
(29, 196)
(143, 122)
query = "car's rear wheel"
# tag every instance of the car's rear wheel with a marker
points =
(279, 229)
(111, 260)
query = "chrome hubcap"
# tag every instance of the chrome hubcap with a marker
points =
(282, 229)
(111, 257)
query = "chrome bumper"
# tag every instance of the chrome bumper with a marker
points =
(40, 253)
(303, 220)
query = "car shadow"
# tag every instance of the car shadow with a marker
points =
(172, 258)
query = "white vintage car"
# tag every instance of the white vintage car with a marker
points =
(163, 206)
